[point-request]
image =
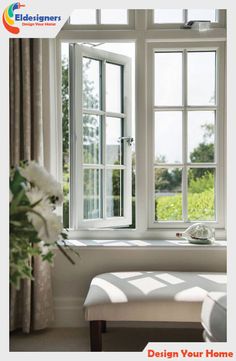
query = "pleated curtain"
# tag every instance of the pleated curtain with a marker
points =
(31, 307)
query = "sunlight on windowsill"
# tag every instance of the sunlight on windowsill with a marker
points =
(178, 244)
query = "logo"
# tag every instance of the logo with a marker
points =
(8, 18)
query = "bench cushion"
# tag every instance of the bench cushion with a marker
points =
(214, 316)
(150, 296)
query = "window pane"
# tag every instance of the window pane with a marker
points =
(92, 194)
(201, 194)
(91, 139)
(114, 192)
(114, 145)
(113, 88)
(168, 78)
(168, 137)
(110, 16)
(91, 83)
(83, 16)
(204, 14)
(168, 194)
(168, 16)
(201, 136)
(201, 78)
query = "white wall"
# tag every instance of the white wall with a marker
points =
(71, 283)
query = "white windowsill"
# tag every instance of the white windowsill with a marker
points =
(145, 244)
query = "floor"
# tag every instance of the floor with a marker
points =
(77, 339)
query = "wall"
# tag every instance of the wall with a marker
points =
(71, 283)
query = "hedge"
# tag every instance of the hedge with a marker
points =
(200, 206)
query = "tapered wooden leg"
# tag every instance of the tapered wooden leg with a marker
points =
(96, 335)
(104, 327)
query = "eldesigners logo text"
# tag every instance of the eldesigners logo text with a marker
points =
(12, 17)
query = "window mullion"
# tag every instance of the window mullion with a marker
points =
(168, 108)
(184, 141)
(115, 115)
(93, 166)
(98, 16)
(93, 112)
(185, 17)
(103, 93)
(202, 108)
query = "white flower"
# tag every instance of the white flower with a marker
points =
(47, 224)
(40, 178)
(35, 195)
(55, 227)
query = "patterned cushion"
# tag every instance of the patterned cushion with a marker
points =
(151, 296)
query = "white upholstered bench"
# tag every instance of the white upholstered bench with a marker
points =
(147, 296)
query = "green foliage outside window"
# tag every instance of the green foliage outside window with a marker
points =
(65, 134)
(201, 202)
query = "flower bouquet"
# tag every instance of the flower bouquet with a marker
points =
(35, 228)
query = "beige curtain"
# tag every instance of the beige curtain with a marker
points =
(31, 307)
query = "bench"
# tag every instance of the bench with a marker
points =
(147, 296)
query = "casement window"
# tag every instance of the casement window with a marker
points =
(100, 99)
(174, 83)
(185, 134)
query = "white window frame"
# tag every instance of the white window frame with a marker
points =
(219, 130)
(219, 23)
(142, 36)
(130, 23)
(77, 167)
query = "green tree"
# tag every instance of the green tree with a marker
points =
(65, 135)
(168, 180)
(204, 153)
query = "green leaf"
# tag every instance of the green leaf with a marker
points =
(48, 257)
(16, 201)
(16, 182)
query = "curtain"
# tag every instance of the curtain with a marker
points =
(31, 307)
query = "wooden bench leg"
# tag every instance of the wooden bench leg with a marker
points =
(96, 335)
(104, 327)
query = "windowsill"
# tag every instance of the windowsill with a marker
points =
(144, 244)
(153, 237)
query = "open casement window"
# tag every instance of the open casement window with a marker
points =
(100, 113)
(187, 126)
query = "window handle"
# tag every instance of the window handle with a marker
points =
(129, 140)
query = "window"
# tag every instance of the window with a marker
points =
(176, 18)
(83, 17)
(101, 142)
(165, 16)
(174, 176)
(100, 17)
(205, 14)
(186, 121)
